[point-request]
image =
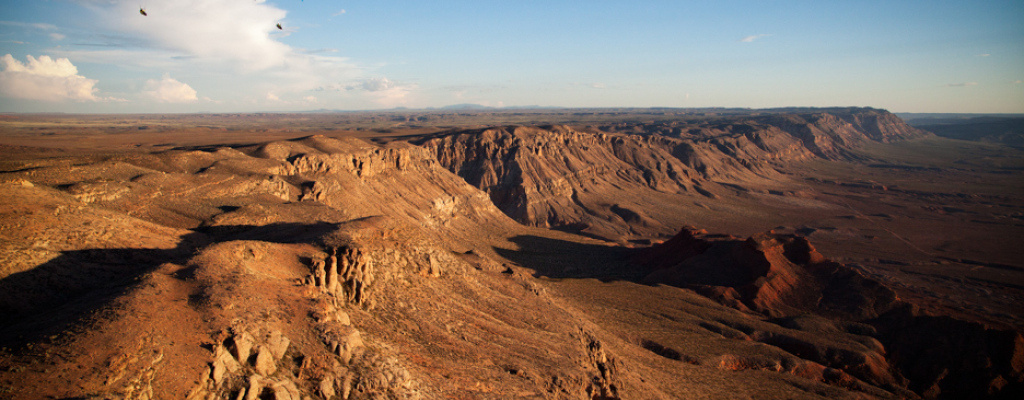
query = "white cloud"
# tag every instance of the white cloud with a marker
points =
(598, 85)
(342, 11)
(311, 99)
(272, 97)
(381, 91)
(377, 84)
(393, 96)
(232, 31)
(169, 90)
(235, 41)
(334, 87)
(56, 36)
(1016, 82)
(45, 79)
(752, 38)
(316, 51)
(962, 84)
(45, 27)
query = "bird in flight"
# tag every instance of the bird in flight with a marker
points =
(279, 27)
(142, 11)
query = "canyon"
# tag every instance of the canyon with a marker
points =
(572, 254)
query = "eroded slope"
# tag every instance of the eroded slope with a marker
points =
(617, 186)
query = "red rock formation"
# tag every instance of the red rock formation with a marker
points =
(784, 276)
(765, 273)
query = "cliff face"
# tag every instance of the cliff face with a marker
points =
(400, 180)
(547, 177)
(559, 177)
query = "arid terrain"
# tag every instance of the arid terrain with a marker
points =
(500, 254)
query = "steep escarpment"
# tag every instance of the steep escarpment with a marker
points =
(831, 135)
(557, 176)
(786, 279)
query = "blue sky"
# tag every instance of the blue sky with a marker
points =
(228, 55)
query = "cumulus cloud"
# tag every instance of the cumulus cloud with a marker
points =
(962, 84)
(169, 90)
(752, 38)
(272, 97)
(311, 99)
(241, 33)
(237, 41)
(377, 84)
(340, 12)
(45, 79)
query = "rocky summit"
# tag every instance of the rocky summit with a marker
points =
(726, 254)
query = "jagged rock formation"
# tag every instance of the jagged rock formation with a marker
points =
(348, 280)
(606, 184)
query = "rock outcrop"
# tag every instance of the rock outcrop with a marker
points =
(772, 274)
(785, 278)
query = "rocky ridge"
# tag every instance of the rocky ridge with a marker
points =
(605, 185)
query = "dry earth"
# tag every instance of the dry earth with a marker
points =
(570, 254)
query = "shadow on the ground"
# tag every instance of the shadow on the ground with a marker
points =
(51, 298)
(555, 258)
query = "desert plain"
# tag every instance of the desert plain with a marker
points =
(796, 253)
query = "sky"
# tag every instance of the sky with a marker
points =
(104, 56)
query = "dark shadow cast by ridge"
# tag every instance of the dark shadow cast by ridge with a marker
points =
(275, 233)
(559, 259)
(57, 295)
